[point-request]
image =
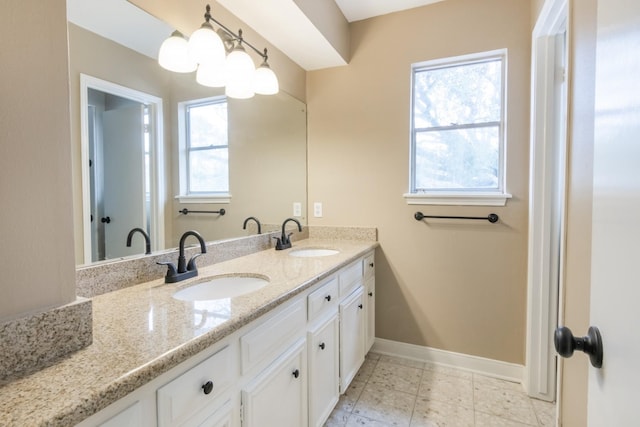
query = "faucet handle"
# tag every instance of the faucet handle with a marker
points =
(171, 268)
(192, 263)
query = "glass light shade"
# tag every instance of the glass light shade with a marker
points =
(174, 54)
(212, 74)
(240, 74)
(265, 81)
(205, 45)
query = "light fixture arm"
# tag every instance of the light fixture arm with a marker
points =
(237, 37)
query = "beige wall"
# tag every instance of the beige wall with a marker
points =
(444, 284)
(36, 219)
(582, 46)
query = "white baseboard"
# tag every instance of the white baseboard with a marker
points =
(480, 365)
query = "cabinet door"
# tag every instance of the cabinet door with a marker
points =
(324, 375)
(370, 308)
(132, 416)
(278, 396)
(351, 337)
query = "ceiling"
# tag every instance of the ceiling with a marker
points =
(356, 10)
(123, 22)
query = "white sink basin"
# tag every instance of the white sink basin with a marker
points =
(312, 252)
(221, 287)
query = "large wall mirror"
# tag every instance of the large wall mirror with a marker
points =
(126, 132)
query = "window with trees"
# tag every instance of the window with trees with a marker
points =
(457, 130)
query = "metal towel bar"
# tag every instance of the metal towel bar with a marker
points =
(492, 218)
(186, 211)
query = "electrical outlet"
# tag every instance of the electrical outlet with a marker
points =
(297, 209)
(317, 209)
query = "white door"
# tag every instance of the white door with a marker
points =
(124, 198)
(614, 395)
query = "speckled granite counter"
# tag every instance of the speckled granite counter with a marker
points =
(141, 332)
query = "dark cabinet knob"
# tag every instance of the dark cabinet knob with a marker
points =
(371, 264)
(370, 294)
(106, 219)
(322, 346)
(566, 343)
(296, 373)
(328, 297)
(360, 306)
(207, 387)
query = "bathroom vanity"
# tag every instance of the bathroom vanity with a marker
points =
(276, 356)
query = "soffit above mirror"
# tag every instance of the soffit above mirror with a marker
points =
(313, 33)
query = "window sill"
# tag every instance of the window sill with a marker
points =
(457, 199)
(205, 198)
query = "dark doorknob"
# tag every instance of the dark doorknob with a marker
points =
(566, 343)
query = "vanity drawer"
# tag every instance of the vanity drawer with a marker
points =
(323, 298)
(369, 266)
(266, 341)
(187, 394)
(350, 277)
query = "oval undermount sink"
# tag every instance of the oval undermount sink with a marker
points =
(221, 287)
(313, 252)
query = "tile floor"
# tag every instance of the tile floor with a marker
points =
(391, 391)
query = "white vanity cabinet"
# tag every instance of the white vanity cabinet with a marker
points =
(285, 368)
(201, 389)
(352, 319)
(323, 351)
(278, 396)
(370, 301)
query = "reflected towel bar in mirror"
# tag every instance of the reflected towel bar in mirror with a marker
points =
(492, 218)
(186, 211)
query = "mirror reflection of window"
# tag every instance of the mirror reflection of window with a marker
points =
(207, 144)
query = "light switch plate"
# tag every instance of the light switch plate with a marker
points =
(297, 209)
(317, 209)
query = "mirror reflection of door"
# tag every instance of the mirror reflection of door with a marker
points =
(118, 147)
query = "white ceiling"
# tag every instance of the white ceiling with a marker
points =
(124, 23)
(356, 10)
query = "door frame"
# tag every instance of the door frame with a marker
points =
(156, 148)
(545, 235)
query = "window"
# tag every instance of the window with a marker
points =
(457, 131)
(204, 162)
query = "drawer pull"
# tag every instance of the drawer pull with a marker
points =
(328, 297)
(371, 264)
(207, 387)
(370, 294)
(296, 373)
(360, 306)
(322, 346)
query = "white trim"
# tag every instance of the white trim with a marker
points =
(546, 202)
(457, 199)
(480, 365)
(217, 198)
(156, 150)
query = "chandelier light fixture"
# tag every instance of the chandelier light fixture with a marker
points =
(219, 59)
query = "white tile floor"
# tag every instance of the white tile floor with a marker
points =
(391, 391)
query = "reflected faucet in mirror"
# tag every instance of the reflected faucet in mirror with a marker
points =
(147, 240)
(284, 241)
(244, 225)
(184, 270)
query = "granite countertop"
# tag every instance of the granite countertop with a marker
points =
(141, 332)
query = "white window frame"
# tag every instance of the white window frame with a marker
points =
(183, 157)
(497, 197)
